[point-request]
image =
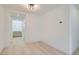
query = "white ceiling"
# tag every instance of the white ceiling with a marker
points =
(43, 7)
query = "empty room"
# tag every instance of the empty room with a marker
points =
(39, 29)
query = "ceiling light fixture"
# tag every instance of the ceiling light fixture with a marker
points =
(32, 7)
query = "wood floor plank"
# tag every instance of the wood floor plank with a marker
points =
(37, 48)
(49, 49)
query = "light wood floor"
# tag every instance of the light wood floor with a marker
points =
(37, 48)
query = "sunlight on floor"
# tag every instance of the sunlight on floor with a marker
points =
(17, 41)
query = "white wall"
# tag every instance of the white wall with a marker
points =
(33, 22)
(78, 21)
(3, 29)
(61, 36)
(54, 33)
(74, 28)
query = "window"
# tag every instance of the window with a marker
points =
(17, 25)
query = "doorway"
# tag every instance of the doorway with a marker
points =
(17, 28)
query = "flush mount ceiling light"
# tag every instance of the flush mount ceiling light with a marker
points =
(32, 7)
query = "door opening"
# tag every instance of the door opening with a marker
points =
(17, 28)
